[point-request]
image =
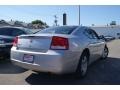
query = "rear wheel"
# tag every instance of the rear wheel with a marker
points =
(83, 65)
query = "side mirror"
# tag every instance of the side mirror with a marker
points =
(101, 37)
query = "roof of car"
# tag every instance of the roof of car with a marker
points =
(71, 26)
(11, 27)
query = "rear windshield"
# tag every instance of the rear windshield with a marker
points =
(28, 31)
(59, 30)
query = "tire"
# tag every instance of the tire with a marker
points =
(105, 53)
(83, 65)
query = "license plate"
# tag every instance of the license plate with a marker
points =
(28, 58)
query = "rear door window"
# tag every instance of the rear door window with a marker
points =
(94, 34)
(17, 32)
(91, 34)
(5, 31)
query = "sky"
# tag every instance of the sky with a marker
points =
(98, 15)
(44, 13)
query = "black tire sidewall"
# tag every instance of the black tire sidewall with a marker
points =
(79, 71)
(107, 52)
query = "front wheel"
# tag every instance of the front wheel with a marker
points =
(105, 53)
(83, 65)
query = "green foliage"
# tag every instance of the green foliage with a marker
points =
(38, 22)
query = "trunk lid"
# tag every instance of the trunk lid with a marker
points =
(36, 42)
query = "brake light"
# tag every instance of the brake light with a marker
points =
(15, 41)
(59, 43)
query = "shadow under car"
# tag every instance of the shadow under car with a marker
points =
(6, 67)
(99, 73)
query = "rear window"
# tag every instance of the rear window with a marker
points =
(28, 31)
(58, 30)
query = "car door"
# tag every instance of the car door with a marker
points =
(5, 35)
(97, 45)
(93, 44)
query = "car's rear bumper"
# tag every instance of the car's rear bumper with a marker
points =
(58, 63)
(40, 68)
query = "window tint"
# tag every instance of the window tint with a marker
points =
(118, 33)
(59, 30)
(94, 34)
(28, 31)
(11, 31)
(17, 32)
(88, 33)
(91, 34)
(5, 31)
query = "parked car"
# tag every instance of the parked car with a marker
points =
(109, 38)
(7, 35)
(59, 50)
(118, 35)
(102, 38)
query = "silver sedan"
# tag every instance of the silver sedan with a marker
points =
(59, 50)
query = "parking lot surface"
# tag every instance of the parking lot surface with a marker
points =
(101, 72)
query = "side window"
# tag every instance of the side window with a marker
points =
(94, 34)
(17, 32)
(87, 32)
(5, 31)
(91, 34)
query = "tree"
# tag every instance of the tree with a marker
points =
(38, 22)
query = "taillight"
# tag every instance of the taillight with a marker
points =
(59, 43)
(15, 41)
